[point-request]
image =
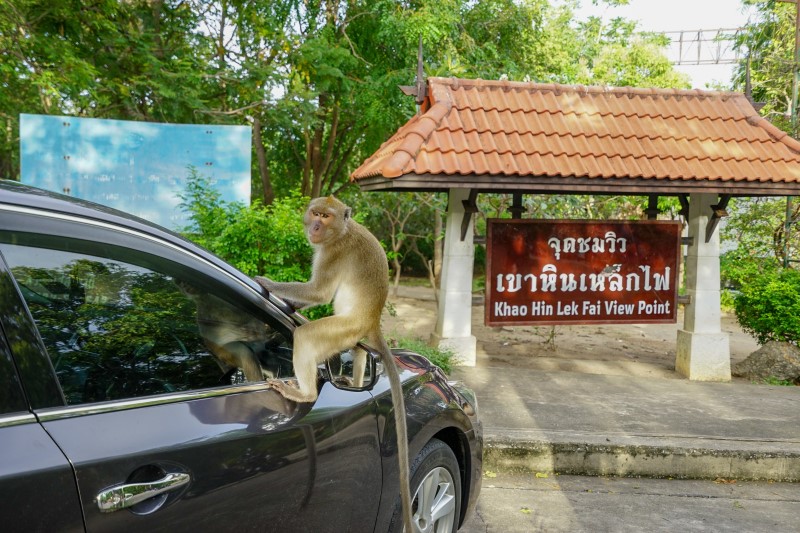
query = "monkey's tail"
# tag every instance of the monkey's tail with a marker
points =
(401, 428)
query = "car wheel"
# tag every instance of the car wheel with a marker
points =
(435, 489)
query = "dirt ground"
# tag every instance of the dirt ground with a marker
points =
(646, 350)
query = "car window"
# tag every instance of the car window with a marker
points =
(118, 323)
(11, 398)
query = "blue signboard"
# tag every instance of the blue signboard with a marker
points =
(137, 167)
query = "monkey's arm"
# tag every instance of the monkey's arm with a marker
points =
(297, 293)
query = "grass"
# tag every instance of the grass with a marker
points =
(779, 382)
(442, 358)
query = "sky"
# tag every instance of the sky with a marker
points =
(676, 15)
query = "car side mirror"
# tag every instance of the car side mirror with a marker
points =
(353, 369)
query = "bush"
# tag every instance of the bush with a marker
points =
(258, 240)
(737, 268)
(768, 306)
(442, 358)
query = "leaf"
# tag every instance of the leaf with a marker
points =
(489, 474)
(525, 510)
(541, 475)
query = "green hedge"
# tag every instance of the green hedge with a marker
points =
(768, 306)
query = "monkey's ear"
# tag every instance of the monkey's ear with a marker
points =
(347, 212)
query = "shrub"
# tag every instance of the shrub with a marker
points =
(442, 358)
(768, 306)
(258, 240)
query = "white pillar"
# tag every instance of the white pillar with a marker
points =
(454, 321)
(703, 352)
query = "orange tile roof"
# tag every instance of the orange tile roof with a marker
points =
(493, 135)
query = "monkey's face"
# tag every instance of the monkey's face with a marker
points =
(318, 224)
(325, 219)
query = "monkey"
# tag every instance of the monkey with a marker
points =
(350, 268)
(226, 332)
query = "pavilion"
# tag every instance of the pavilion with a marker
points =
(479, 136)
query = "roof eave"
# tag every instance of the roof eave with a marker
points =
(574, 185)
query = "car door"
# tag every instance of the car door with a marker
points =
(37, 489)
(162, 432)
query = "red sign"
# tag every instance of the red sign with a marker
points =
(543, 272)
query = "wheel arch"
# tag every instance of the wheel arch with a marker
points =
(456, 440)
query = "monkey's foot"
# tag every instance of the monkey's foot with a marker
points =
(289, 391)
(279, 384)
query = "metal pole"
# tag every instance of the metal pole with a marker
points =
(793, 118)
(795, 85)
(795, 69)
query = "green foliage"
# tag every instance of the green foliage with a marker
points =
(404, 223)
(769, 42)
(209, 214)
(778, 382)
(443, 358)
(768, 306)
(316, 80)
(258, 240)
(756, 227)
(726, 299)
(738, 268)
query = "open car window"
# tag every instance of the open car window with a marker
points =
(119, 323)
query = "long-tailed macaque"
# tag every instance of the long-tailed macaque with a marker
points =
(350, 268)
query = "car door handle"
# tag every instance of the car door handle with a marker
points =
(123, 496)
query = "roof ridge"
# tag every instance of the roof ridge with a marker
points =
(661, 157)
(613, 136)
(416, 137)
(585, 89)
(775, 132)
(612, 113)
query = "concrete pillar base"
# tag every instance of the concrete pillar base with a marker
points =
(465, 348)
(703, 356)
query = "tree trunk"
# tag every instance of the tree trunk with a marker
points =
(397, 269)
(263, 168)
(438, 245)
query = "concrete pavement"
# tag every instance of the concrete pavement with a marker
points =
(624, 417)
(595, 424)
(580, 504)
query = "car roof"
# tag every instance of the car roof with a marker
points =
(27, 196)
(18, 194)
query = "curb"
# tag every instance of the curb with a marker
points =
(702, 459)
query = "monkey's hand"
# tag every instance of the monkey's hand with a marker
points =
(266, 283)
(272, 288)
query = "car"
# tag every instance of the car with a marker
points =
(120, 412)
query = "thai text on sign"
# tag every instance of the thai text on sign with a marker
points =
(545, 272)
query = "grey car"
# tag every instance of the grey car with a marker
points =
(118, 414)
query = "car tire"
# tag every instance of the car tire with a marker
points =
(435, 491)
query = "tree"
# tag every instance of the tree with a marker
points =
(759, 226)
(412, 225)
(769, 42)
(126, 60)
(316, 80)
